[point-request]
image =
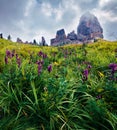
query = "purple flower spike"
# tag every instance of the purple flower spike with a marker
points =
(49, 68)
(85, 74)
(113, 67)
(39, 69)
(19, 62)
(89, 66)
(8, 54)
(40, 53)
(44, 56)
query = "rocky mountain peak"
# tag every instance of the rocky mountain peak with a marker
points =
(89, 27)
(87, 16)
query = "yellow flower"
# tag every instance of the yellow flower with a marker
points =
(55, 63)
(100, 74)
(100, 90)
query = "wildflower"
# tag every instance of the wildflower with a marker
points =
(13, 53)
(44, 56)
(101, 74)
(40, 53)
(89, 66)
(40, 62)
(113, 67)
(85, 74)
(19, 61)
(56, 64)
(99, 90)
(98, 97)
(39, 69)
(16, 56)
(49, 68)
(8, 54)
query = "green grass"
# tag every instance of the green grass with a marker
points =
(64, 98)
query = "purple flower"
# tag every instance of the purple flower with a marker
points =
(8, 54)
(49, 68)
(40, 53)
(16, 56)
(40, 62)
(85, 74)
(39, 69)
(19, 61)
(13, 53)
(89, 66)
(98, 97)
(44, 56)
(113, 67)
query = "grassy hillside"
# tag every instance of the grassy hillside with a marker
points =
(73, 87)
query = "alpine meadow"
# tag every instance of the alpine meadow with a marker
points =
(70, 87)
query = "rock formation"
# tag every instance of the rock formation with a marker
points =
(19, 40)
(60, 37)
(1, 35)
(43, 42)
(72, 36)
(89, 28)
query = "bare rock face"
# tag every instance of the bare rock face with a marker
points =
(72, 36)
(60, 37)
(89, 28)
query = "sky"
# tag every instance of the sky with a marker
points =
(32, 19)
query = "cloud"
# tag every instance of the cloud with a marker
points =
(29, 19)
(10, 13)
